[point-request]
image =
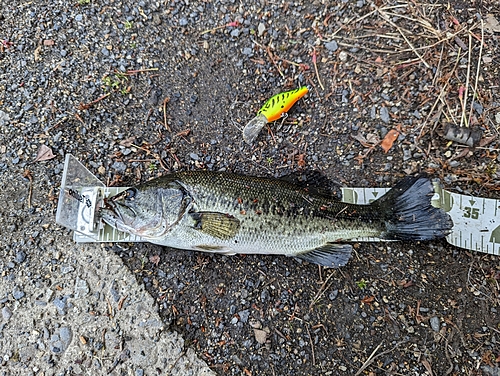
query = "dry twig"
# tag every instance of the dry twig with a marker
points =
(477, 70)
(372, 356)
(314, 57)
(388, 20)
(27, 174)
(165, 101)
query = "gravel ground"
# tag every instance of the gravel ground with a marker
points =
(138, 89)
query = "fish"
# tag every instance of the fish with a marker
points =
(228, 213)
(274, 108)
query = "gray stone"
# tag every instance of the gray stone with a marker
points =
(65, 335)
(435, 323)
(81, 288)
(244, 315)
(4, 118)
(248, 51)
(6, 313)
(384, 114)
(333, 295)
(60, 303)
(261, 29)
(66, 269)
(119, 166)
(332, 46)
(17, 293)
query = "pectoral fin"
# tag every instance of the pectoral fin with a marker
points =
(218, 225)
(332, 255)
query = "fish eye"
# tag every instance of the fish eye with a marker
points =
(130, 193)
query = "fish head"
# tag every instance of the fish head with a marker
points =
(149, 213)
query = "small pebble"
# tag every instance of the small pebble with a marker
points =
(17, 293)
(6, 313)
(244, 315)
(332, 46)
(435, 323)
(333, 295)
(60, 303)
(384, 114)
(20, 257)
(248, 51)
(260, 29)
(67, 269)
(65, 335)
(81, 288)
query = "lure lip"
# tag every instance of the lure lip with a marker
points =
(253, 128)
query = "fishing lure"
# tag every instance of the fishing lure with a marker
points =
(272, 110)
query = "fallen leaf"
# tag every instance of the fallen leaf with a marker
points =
(44, 153)
(127, 142)
(378, 60)
(486, 141)
(369, 141)
(389, 139)
(155, 259)
(491, 23)
(368, 299)
(427, 366)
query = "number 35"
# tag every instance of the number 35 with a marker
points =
(471, 212)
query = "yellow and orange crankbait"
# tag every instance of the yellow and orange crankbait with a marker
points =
(272, 110)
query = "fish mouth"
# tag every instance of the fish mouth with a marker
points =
(111, 207)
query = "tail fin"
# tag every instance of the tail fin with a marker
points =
(409, 214)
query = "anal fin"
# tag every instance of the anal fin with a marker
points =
(218, 225)
(332, 255)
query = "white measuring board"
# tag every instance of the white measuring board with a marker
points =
(476, 221)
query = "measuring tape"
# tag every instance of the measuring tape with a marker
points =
(476, 221)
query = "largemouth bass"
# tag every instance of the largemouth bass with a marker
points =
(228, 213)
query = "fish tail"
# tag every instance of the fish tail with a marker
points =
(408, 212)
